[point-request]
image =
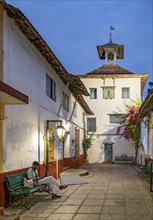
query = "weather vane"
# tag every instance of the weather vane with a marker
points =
(111, 28)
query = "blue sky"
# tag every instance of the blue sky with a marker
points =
(73, 29)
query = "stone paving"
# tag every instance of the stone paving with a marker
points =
(113, 192)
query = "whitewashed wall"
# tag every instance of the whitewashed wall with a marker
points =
(25, 70)
(106, 132)
(120, 147)
(143, 150)
(150, 136)
(146, 150)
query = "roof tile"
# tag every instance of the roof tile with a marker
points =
(110, 69)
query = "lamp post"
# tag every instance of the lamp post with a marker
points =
(60, 133)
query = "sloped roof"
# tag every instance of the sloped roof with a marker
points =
(115, 71)
(110, 69)
(118, 48)
(84, 105)
(75, 84)
(147, 105)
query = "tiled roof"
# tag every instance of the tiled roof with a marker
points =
(75, 84)
(115, 71)
(110, 69)
(147, 105)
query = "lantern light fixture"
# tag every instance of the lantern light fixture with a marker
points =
(60, 132)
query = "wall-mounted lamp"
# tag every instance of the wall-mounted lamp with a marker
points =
(60, 132)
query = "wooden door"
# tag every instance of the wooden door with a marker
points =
(50, 152)
(77, 142)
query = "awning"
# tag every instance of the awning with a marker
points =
(9, 95)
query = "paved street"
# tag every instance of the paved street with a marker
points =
(113, 192)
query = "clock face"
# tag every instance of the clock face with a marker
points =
(109, 92)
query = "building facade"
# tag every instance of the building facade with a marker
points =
(111, 88)
(36, 95)
(146, 118)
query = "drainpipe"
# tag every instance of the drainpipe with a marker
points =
(39, 137)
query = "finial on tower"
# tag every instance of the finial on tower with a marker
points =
(110, 52)
(111, 28)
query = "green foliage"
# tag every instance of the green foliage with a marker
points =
(87, 141)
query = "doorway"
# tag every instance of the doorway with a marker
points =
(77, 142)
(108, 152)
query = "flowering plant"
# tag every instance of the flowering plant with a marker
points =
(129, 127)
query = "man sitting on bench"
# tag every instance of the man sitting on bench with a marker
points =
(32, 173)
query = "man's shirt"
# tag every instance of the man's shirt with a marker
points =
(32, 173)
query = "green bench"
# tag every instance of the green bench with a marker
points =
(124, 159)
(20, 196)
(146, 172)
(144, 169)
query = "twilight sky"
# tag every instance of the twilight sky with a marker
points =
(73, 29)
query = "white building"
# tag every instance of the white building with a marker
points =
(36, 95)
(111, 87)
(146, 118)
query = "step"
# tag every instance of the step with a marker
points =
(1, 211)
(81, 172)
(65, 168)
(7, 217)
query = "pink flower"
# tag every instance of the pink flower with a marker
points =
(137, 110)
(129, 122)
(134, 120)
(132, 110)
(118, 130)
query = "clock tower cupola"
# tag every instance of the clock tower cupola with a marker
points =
(110, 52)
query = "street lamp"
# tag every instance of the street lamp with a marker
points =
(60, 132)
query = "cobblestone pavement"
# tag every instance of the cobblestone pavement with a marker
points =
(113, 192)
